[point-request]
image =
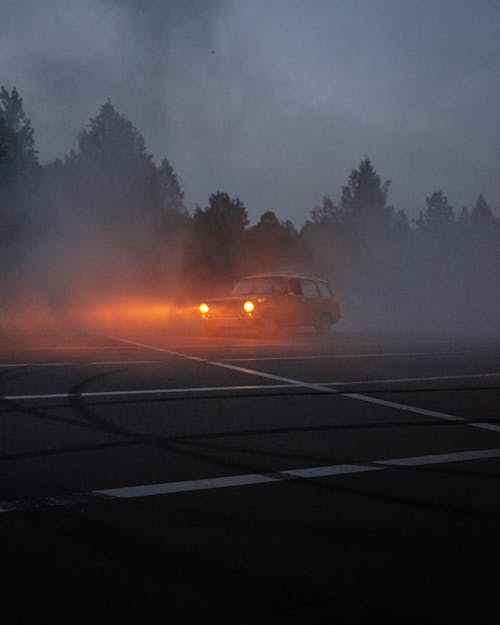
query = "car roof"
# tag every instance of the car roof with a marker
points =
(284, 274)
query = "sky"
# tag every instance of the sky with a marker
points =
(273, 101)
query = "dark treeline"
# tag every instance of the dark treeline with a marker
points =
(107, 218)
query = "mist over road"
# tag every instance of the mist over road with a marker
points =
(250, 480)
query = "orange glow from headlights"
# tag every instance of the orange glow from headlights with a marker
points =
(248, 306)
(204, 308)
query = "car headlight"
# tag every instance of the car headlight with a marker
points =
(248, 306)
(204, 308)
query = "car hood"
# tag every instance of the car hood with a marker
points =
(233, 298)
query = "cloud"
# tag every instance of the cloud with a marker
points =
(272, 101)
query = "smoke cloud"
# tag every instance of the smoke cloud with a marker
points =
(273, 102)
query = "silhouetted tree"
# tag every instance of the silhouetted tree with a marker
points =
(401, 225)
(328, 213)
(113, 175)
(438, 215)
(171, 194)
(18, 165)
(481, 214)
(271, 244)
(364, 200)
(18, 156)
(219, 232)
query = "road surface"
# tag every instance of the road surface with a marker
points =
(299, 479)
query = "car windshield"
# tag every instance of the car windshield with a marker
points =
(260, 286)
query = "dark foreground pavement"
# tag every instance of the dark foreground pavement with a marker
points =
(345, 479)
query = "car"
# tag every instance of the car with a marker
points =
(269, 302)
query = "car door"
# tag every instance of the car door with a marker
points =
(295, 308)
(312, 302)
(328, 302)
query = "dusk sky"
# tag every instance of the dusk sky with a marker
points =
(273, 101)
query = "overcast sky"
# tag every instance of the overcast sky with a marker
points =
(274, 101)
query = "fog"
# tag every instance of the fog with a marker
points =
(274, 103)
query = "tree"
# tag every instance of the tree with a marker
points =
(18, 156)
(364, 200)
(328, 213)
(171, 194)
(224, 216)
(270, 243)
(113, 177)
(481, 214)
(439, 214)
(111, 139)
(401, 225)
(18, 165)
(219, 231)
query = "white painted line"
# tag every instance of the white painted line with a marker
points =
(158, 349)
(168, 488)
(392, 404)
(460, 456)
(153, 391)
(79, 364)
(121, 362)
(340, 469)
(269, 376)
(486, 426)
(434, 378)
(318, 387)
(334, 356)
(35, 364)
(187, 486)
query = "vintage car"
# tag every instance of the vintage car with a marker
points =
(268, 302)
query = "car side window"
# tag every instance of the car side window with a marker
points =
(309, 288)
(295, 287)
(323, 289)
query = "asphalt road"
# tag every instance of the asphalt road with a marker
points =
(303, 479)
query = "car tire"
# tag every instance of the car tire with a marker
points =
(324, 325)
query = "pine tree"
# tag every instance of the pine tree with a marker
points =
(364, 198)
(18, 166)
(113, 176)
(171, 194)
(219, 232)
(18, 156)
(439, 214)
(481, 213)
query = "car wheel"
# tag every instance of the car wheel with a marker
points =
(324, 324)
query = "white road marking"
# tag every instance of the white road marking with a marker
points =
(336, 469)
(486, 426)
(334, 356)
(78, 364)
(152, 391)
(392, 404)
(460, 456)
(158, 349)
(289, 383)
(319, 387)
(35, 364)
(269, 376)
(168, 488)
(122, 362)
(186, 486)
(433, 378)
